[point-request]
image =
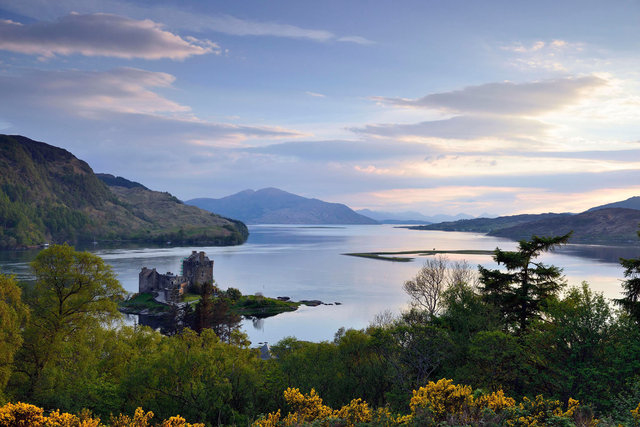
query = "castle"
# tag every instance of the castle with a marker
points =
(197, 269)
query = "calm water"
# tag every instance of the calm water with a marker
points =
(305, 262)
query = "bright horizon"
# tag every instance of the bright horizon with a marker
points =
(437, 107)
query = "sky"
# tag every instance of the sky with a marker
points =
(441, 107)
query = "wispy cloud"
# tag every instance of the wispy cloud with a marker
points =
(552, 55)
(315, 94)
(122, 99)
(505, 98)
(178, 18)
(511, 114)
(461, 127)
(343, 150)
(99, 34)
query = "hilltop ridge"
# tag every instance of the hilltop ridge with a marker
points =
(599, 225)
(50, 196)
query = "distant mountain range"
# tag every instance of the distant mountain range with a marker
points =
(614, 223)
(409, 217)
(274, 206)
(47, 195)
(603, 226)
(489, 225)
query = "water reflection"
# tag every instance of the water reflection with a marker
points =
(258, 323)
(608, 254)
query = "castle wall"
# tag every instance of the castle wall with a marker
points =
(148, 280)
(197, 269)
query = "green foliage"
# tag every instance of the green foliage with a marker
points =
(71, 358)
(74, 292)
(631, 288)
(522, 292)
(495, 361)
(260, 306)
(143, 301)
(13, 315)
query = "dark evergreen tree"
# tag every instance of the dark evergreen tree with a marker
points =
(631, 300)
(204, 308)
(520, 292)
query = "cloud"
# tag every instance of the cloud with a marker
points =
(506, 98)
(540, 45)
(461, 127)
(88, 93)
(342, 150)
(119, 101)
(551, 55)
(355, 39)
(178, 18)
(315, 94)
(100, 34)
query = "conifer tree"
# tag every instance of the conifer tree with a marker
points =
(631, 300)
(520, 292)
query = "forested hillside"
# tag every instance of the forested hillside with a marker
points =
(47, 195)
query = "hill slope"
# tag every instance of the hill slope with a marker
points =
(630, 203)
(602, 226)
(486, 225)
(49, 195)
(274, 206)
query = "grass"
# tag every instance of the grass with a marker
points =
(391, 256)
(246, 305)
(260, 306)
(190, 298)
(144, 301)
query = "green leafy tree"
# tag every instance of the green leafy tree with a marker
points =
(13, 314)
(465, 314)
(198, 376)
(495, 361)
(521, 292)
(573, 344)
(74, 292)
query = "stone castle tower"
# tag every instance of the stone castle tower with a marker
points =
(197, 269)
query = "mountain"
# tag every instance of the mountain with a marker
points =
(409, 217)
(631, 203)
(118, 181)
(47, 195)
(601, 226)
(274, 206)
(487, 225)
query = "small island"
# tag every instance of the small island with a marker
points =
(169, 299)
(393, 256)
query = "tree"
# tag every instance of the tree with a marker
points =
(575, 342)
(631, 300)
(74, 292)
(203, 312)
(521, 292)
(436, 275)
(13, 314)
